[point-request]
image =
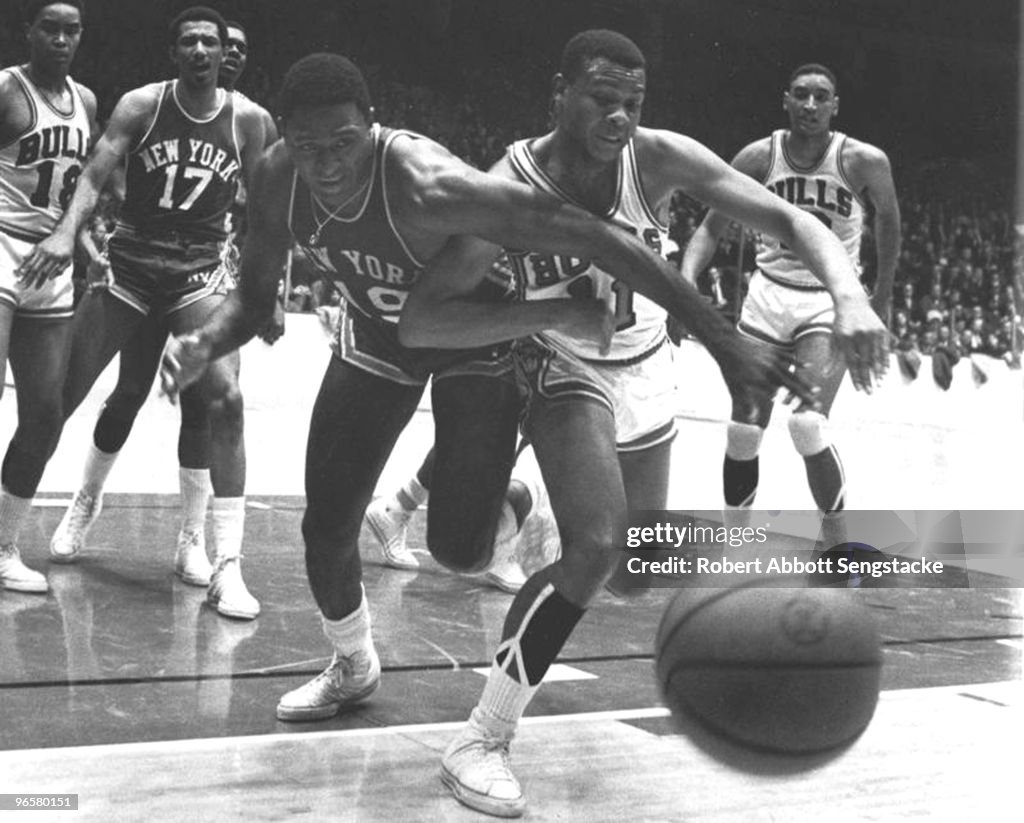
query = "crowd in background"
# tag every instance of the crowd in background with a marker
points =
(957, 286)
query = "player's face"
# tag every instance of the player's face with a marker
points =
(811, 103)
(236, 52)
(331, 148)
(197, 52)
(601, 108)
(54, 36)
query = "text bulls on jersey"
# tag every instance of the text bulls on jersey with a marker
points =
(51, 142)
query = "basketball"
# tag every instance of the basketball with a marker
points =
(767, 678)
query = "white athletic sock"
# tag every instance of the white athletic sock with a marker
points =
(13, 511)
(411, 496)
(352, 633)
(97, 467)
(228, 526)
(503, 702)
(195, 497)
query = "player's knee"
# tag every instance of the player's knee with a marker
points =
(592, 554)
(328, 532)
(43, 424)
(743, 440)
(465, 548)
(809, 431)
(227, 404)
(124, 402)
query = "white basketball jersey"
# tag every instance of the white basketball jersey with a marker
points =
(824, 191)
(39, 169)
(640, 322)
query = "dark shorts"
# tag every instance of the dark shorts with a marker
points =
(372, 345)
(165, 275)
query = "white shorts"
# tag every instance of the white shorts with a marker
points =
(640, 393)
(779, 314)
(53, 300)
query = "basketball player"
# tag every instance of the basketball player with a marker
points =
(47, 124)
(584, 402)
(186, 142)
(834, 178)
(139, 361)
(371, 206)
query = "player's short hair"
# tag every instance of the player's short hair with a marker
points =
(195, 14)
(594, 43)
(323, 79)
(234, 24)
(814, 68)
(30, 8)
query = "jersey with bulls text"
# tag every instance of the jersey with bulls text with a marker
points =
(824, 191)
(181, 178)
(39, 169)
(640, 322)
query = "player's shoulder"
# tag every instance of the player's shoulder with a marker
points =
(415, 161)
(88, 96)
(273, 175)
(8, 80)
(859, 151)
(755, 157)
(142, 99)
(275, 162)
(245, 106)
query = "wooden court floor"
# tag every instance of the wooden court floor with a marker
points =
(122, 687)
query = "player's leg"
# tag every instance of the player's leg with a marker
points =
(645, 477)
(139, 360)
(471, 527)
(643, 395)
(809, 430)
(6, 322)
(356, 420)
(195, 448)
(218, 394)
(388, 516)
(38, 352)
(765, 321)
(574, 441)
(102, 324)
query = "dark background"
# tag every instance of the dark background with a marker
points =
(924, 79)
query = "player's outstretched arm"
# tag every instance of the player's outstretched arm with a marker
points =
(861, 338)
(251, 304)
(444, 310)
(453, 198)
(53, 255)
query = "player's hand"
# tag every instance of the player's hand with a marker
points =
(47, 260)
(184, 360)
(861, 339)
(274, 328)
(588, 319)
(98, 275)
(752, 370)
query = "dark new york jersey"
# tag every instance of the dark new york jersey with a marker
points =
(182, 177)
(363, 255)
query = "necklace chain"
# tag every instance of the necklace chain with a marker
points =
(314, 238)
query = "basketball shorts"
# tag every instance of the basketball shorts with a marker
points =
(165, 275)
(640, 393)
(54, 300)
(779, 314)
(372, 345)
